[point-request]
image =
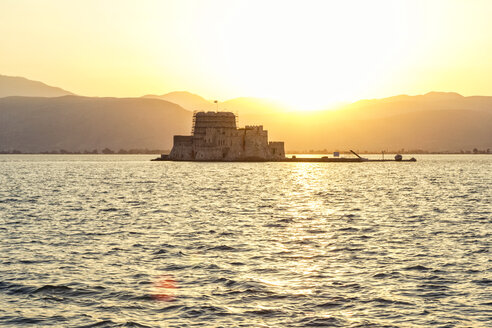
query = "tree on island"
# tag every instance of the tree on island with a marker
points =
(107, 151)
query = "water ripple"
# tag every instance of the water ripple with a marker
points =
(118, 241)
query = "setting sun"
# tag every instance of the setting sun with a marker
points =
(309, 55)
(312, 56)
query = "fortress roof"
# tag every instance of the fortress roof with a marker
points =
(214, 114)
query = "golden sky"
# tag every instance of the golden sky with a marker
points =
(308, 53)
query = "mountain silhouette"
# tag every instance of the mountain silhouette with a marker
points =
(19, 86)
(436, 121)
(385, 107)
(187, 100)
(241, 106)
(73, 123)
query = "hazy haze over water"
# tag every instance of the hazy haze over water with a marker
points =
(119, 241)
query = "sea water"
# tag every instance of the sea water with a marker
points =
(119, 241)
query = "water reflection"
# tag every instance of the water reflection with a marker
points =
(164, 288)
(272, 244)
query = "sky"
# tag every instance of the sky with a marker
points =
(308, 54)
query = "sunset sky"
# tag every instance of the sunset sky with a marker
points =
(310, 54)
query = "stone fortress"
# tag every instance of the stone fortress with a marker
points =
(215, 137)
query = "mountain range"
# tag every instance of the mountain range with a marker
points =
(35, 117)
(19, 86)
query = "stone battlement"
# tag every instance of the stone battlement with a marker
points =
(254, 127)
(216, 138)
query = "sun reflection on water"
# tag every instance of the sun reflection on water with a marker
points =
(290, 245)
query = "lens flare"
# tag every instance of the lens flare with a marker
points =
(164, 288)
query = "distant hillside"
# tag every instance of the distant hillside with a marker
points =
(433, 122)
(186, 100)
(438, 130)
(247, 106)
(375, 108)
(241, 106)
(19, 86)
(80, 123)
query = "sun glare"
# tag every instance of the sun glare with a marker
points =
(310, 56)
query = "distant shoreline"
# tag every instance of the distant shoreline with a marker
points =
(420, 152)
(105, 151)
(389, 153)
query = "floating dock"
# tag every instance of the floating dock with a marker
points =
(342, 160)
(295, 159)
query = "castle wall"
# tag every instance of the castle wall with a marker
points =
(182, 148)
(277, 149)
(255, 143)
(209, 154)
(215, 138)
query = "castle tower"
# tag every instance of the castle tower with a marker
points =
(215, 120)
(215, 137)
